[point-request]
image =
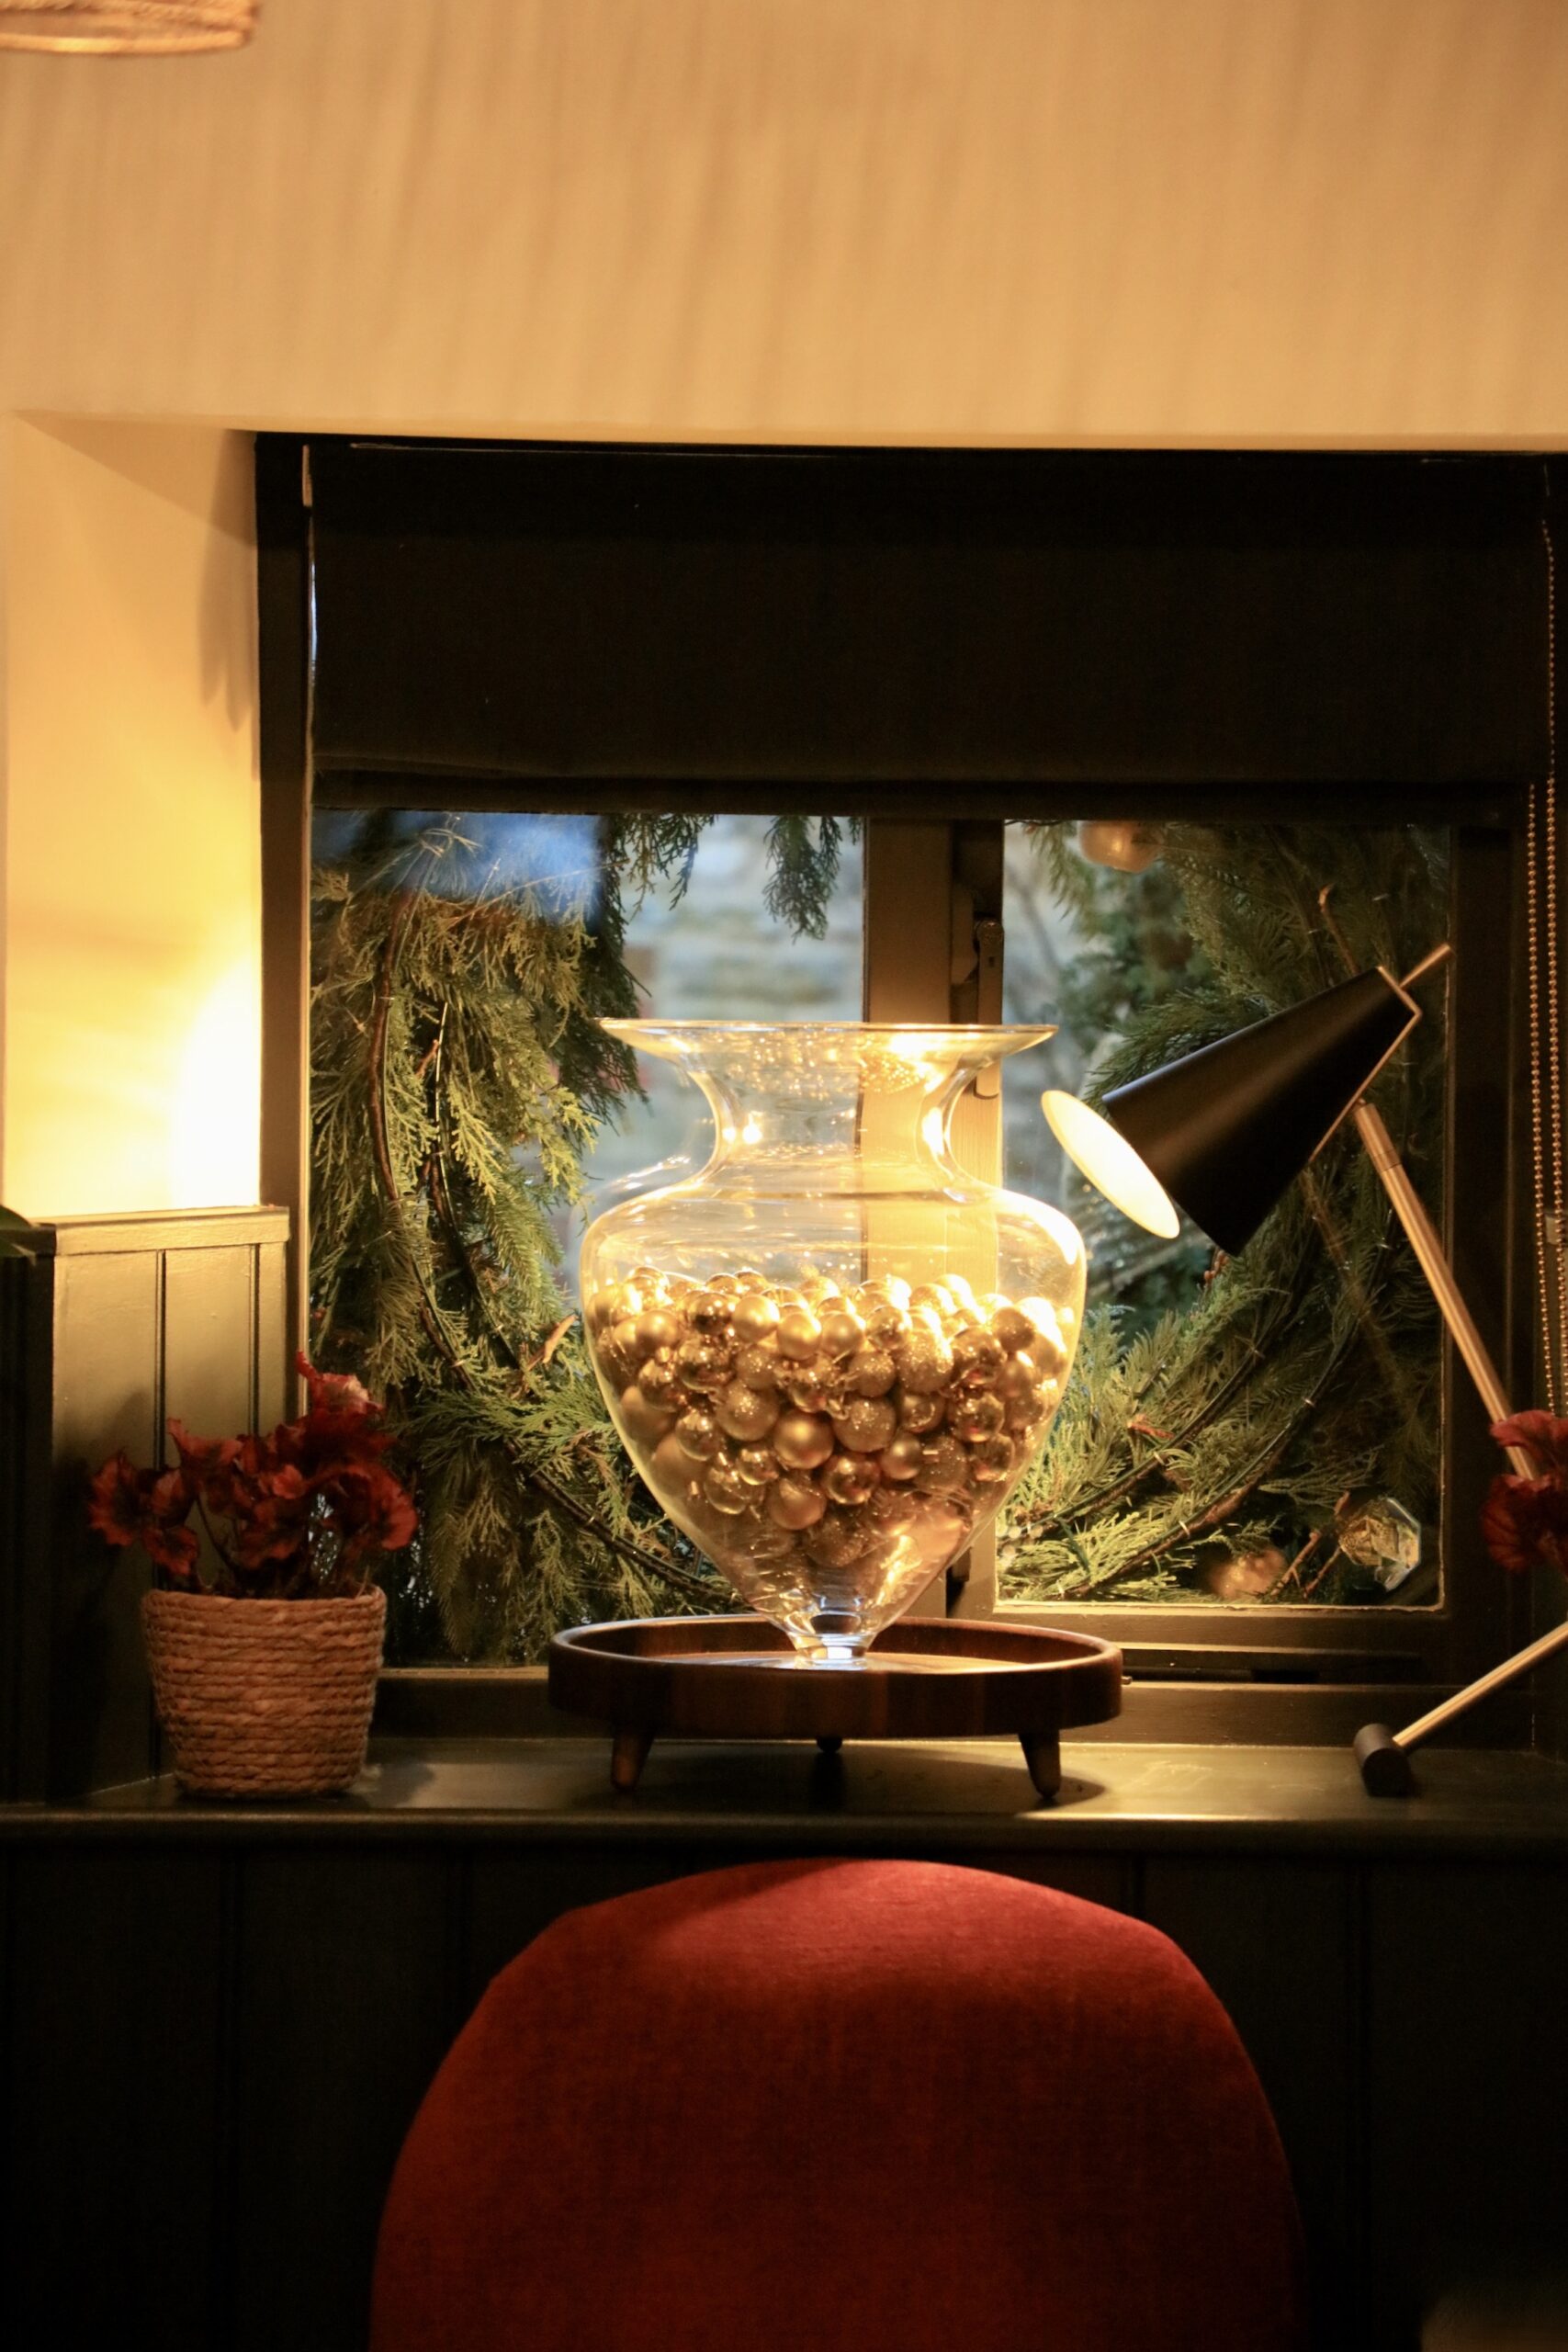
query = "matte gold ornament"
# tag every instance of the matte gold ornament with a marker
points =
(849, 1479)
(657, 1330)
(842, 1332)
(646, 1420)
(901, 1457)
(698, 1432)
(795, 1503)
(799, 1335)
(865, 1425)
(755, 1318)
(747, 1413)
(802, 1441)
(975, 1417)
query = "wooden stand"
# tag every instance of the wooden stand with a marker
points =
(737, 1677)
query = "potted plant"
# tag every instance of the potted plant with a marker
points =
(264, 1641)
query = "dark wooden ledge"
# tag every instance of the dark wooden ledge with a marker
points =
(950, 1798)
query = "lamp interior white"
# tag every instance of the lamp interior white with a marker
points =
(1111, 1164)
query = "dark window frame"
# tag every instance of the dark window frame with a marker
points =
(1379, 1651)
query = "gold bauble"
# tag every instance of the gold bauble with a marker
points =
(871, 1372)
(754, 1318)
(842, 1332)
(802, 1441)
(945, 1465)
(865, 1425)
(698, 1432)
(646, 1420)
(728, 1490)
(759, 1365)
(839, 1537)
(795, 1503)
(1012, 1328)
(799, 1335)
(900, 1458)
(923, 1360)
(849, 1479)
(757, 1465)
(747, 1413)
(920, 1413)
(658, 1330)
(703, 1363)
(975, 1415)
(709, 1313)
(991, 1461)
(977, 1358)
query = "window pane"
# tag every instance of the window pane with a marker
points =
(468, 1115)
(1261, 1430)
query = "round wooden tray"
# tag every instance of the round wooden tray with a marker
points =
(926, 1678)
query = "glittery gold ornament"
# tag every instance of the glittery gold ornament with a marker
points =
(870, 1372)
(698, 1432)
(839, 1537)
(801, 1441)
(795, 1503)
(799, 1335)
(849, 1478)
(923, 1360)
(759, 1365)
(754, 1318)
(943, 1465)
(865, 1425)
(727, 1489)
(900, 1457)
(747, 1413)
(975, 1415)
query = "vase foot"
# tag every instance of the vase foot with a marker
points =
(628, 1755)
(1043, 1755)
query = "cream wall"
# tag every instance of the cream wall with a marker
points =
(1203, 221)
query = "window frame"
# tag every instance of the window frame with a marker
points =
(1227, 1681)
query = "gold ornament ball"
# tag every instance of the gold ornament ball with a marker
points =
(924, 1360)
(871, 1372)
(849, 1479)
(799, 1335)
(991, 1461)
(746, 1413)
(802, 1441)
(759, 1365)
(865, 1425)
(700, 1364)
(699, 1434)
(646, 1420)
(920, 1413)
(837, 1539)
(757, 1465)
(754, 1318)
(901, 1457)
(727, 1490)
(975, 1415)
(977, 1358)
(934, 1296)
(945, 1466)
(842, 1332)
(795, 1503)
(807, 1389)
(709, 1313)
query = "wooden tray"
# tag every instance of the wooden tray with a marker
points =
(926, 1678)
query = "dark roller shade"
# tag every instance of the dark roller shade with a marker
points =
(796, 624)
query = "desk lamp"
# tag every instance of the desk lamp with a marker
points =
(1220, 1135)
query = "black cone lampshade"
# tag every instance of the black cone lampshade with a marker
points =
(1223, 1131)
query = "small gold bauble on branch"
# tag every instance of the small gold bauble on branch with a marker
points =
(1127, 847)
(126, 27)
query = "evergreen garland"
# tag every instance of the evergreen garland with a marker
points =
(459, 1076)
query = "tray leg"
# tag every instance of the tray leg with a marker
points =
(829, 1742)
(1043, 1755)
(629, 1755)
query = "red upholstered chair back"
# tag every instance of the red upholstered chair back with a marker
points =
(842, 2107)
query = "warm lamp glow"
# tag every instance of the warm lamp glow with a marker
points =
(1111, 1164)
(212, 1122)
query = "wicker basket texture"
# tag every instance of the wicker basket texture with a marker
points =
(265, 1698)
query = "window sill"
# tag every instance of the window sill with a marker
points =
(948, 1798)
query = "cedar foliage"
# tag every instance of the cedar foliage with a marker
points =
(459, 1076)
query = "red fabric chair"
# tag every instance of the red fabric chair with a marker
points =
(798, 2108)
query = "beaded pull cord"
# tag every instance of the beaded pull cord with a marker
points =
(1545, 1037)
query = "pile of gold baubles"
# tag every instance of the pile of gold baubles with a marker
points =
(815, 1438)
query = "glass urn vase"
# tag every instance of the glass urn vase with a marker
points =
(833, 1352)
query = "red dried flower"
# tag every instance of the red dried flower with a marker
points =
(146, 1507)
(1542, 1436)
(1525, 1524)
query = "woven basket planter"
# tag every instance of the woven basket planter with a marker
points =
(265, 1698)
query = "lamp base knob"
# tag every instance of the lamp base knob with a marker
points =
(1385, 1767)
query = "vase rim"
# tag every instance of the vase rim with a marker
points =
(1016, 1036)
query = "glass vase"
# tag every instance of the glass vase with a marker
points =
(833, 1352)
